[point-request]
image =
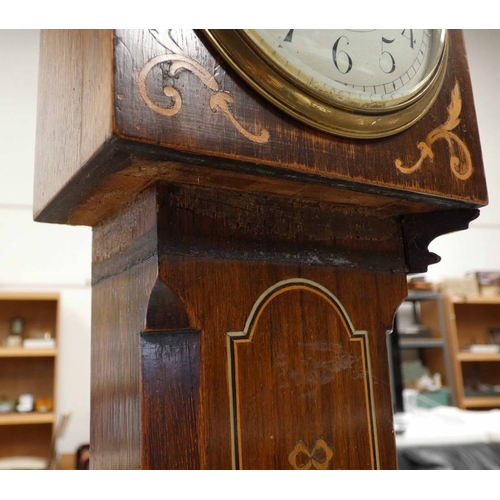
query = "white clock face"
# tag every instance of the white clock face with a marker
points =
(370, 70)
(353, 83)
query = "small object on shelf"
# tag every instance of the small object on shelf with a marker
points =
(43, 405)
(25, 403)
(7, 405)
(428, 383)
(493, 334)
(13, 341)
(15, 338)
(419, 283)
(17, 327)
(409, 399)
(414, 331)
(487, 277)
(42, 336)
(47, 343)
(488, 282)
(482, 348)
(472, 390)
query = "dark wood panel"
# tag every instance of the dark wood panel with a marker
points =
(299, 348)
(201, 287)
(434, 165)
(170, 363)
(172, 120)
(219, 296)
(244, 226)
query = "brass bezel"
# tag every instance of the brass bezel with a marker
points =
(329, 115)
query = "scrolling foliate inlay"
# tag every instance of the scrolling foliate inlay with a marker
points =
(460, 158)
(176, 61)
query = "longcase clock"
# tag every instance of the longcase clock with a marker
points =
(257, 199)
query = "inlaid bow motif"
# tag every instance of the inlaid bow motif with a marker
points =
(318, 458)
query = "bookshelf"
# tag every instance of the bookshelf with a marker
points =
(28, 370)
(476, 374)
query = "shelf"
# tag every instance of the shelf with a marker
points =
(474, 356)
(479, 299)
(29, 296)
(420, 343)
(427, 337)
(27, 418)
(22, 352)
(481, 402)
(416, 296)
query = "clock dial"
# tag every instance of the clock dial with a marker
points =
(360, 68)
(354, 83)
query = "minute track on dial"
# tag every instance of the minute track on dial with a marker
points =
(316, 75)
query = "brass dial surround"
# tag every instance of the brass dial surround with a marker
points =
(268, 73)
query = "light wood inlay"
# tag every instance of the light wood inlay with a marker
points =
(316, 458)
(303, 359)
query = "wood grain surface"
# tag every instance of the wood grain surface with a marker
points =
(291, 146)
(164, 120)
(75, 108)
(163, 399)
(246, 268)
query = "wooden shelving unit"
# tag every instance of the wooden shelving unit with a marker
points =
(468, 320)
(433, 350)
(28, 371)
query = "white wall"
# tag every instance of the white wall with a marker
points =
(42, 257)
(36, 256)
(478, 247)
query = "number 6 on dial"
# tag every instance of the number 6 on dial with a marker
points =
(354, 83)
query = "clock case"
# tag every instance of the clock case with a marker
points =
(165, 106)
(216, 217)
(242, 136)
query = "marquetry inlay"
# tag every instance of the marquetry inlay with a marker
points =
(176, 61)
(327, 353)
(316, 458)
(460, 157)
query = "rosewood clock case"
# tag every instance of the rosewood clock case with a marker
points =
(246, 267)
